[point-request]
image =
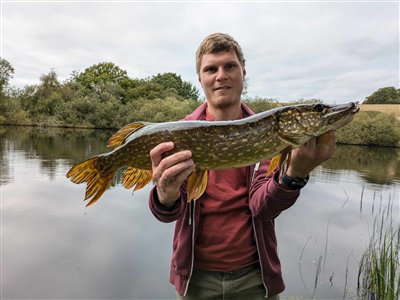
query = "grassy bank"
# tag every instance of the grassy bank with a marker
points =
(379, 271)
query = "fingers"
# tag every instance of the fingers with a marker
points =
(174, 170)
(169, 172)
(325, 146)
(171, 165)
(157, 151)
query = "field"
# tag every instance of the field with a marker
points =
(393, 109)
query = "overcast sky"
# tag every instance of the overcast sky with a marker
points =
(335, 51)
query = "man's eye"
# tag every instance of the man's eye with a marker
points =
(230, 66)
(210, 69)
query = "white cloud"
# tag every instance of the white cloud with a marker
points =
(334, 51)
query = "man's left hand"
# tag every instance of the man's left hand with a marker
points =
(310, 155)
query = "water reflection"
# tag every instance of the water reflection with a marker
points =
(380, 165)
(54, 248)
(51, 146)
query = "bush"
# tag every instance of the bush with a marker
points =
(260, 104)
(159, 110)
(371, 129)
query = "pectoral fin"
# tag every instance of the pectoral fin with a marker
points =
(274, 163)
(196, 184)
(136, 177)
(282, 161)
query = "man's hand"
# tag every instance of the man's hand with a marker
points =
(170, 172)
(310, 155)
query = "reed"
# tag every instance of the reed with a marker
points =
(379, 270)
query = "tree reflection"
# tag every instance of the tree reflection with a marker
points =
(379, 165)
(52, 147)
(5, 172)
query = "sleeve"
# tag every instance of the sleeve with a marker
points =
(267, 199)
(162, 213)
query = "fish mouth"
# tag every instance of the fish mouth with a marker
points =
(349, 108)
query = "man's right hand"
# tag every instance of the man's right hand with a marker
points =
(170, 172)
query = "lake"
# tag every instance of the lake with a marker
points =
(54, 247)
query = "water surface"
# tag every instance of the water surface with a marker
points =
(53, 247)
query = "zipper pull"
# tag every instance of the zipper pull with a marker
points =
(190, 214)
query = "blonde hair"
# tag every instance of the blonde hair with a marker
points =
(215, 43)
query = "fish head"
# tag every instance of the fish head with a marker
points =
(297, 124)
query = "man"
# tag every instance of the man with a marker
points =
(224, 243)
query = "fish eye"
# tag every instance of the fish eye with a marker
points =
(318, 107)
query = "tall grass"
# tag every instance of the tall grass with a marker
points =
(379, 271)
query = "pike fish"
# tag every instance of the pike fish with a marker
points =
(214, 145)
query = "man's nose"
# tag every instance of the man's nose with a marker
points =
(221, 74)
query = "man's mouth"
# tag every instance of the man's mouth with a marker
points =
(223, 87)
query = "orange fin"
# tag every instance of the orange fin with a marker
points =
(119, 137)
(274, 163)
(196, 184)
(97, 182)
(136, 177)
(282, 161)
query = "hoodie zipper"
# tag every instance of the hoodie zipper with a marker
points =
(258, 250)
(191, 213)
(256, 167)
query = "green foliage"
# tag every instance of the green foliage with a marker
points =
(109, 101)
(260, 104)
(371, 128)
(386, 95)
(157, 110)
(97, 75)
(11, 112)
(42, 101)
(6, 73)
(148, 90)
(173, 81)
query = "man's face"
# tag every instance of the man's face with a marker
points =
(221, 76)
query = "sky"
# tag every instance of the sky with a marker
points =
(336, 51)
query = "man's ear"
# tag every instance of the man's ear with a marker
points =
(244, 73)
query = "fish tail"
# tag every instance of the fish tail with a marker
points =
(97, 180)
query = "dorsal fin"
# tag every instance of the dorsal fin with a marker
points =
(119, 137)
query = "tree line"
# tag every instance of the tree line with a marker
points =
(104, 96)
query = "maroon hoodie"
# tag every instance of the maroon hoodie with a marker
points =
(266, 200)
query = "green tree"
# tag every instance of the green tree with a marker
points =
(145, 89)
(97, 75)
(173, 81)
(42, 101)
(386, 95)
(6, 73)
